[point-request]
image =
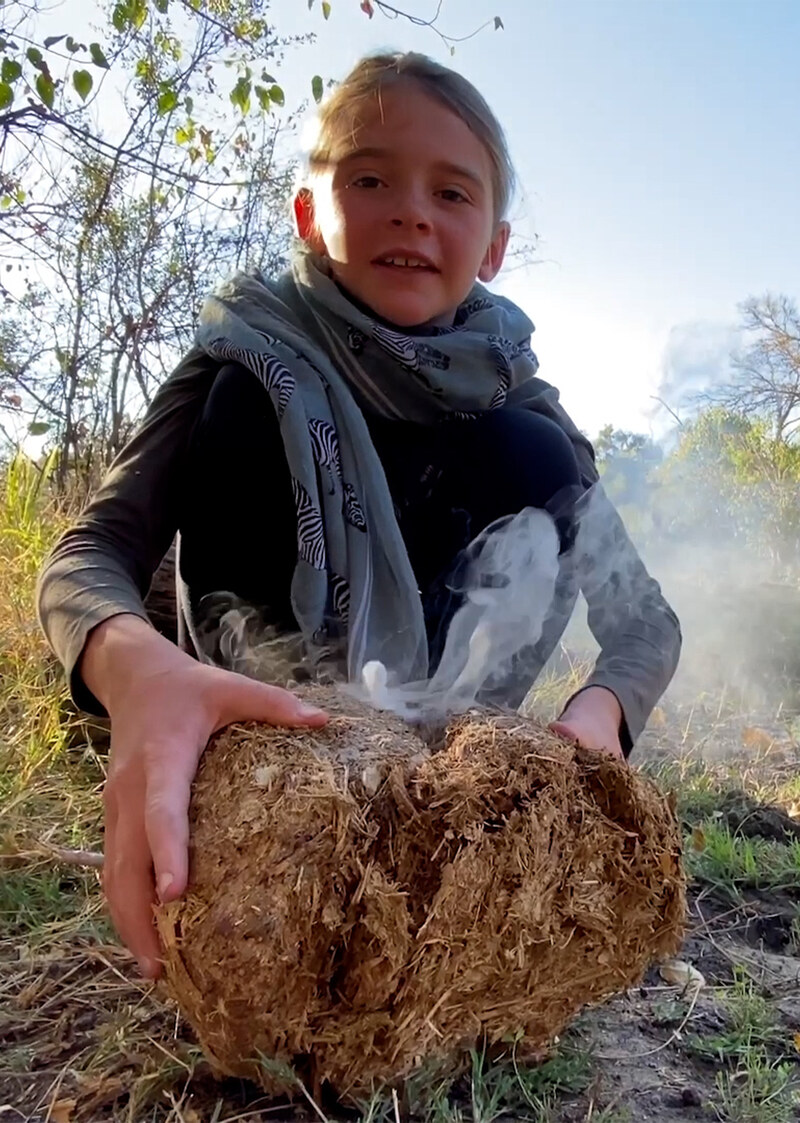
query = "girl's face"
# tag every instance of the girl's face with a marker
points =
(405, 211)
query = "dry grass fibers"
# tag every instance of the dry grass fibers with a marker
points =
(358, 904)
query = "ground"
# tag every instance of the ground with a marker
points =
(82, 1039)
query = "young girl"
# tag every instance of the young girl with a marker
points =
(328, 449)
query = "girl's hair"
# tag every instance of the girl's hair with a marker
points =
(338, 115)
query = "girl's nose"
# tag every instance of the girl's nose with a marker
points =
(411, 210)
(420, 224)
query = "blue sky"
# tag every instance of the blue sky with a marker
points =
(658, 148)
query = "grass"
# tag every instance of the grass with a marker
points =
(759, 1091)
(505, 1086)
(731, 863)
(554, 688)
(717, 854)
(751, 1026)
(757, 1078)
(493, 1088)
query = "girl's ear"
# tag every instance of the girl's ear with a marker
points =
(493, 259)
(305, 220)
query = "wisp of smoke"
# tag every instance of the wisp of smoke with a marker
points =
(508, 588)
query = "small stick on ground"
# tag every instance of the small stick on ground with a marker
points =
(91, 858)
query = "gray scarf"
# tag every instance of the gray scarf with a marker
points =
(323, 361)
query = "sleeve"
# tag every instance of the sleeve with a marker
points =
(638, 633)
(103, 565)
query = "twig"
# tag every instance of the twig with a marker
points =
(91, 858)
(650, 1052)
(669, 409)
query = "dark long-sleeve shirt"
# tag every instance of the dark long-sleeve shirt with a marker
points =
(104, 564)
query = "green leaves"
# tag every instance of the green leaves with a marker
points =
(10, 71)
(240, 94)
(38, 428)
(129, 15)
(167, 99)
(45, 88)
(262, 93)
(326, 10)
(267, 96)
(98, 58)
(83, 82)
(316, 88)
(185, 134)
(51, 41)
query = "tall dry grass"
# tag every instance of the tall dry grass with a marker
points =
(47, 789)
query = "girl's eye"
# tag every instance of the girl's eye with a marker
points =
(453, 195)
(367, 181)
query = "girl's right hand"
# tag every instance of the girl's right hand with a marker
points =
(164, 706)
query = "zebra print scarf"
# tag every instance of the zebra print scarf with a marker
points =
(323, 360)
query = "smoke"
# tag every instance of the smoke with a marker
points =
(734, 586)
(697, 357)
(232, 634)
(727, 560)
(508, 589)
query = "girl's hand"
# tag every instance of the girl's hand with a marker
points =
(163, 706)
(593, 719)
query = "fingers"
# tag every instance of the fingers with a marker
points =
(128, 880)
(243, 699)
(169, 771)
(563, 730)
(160, 735)
(588, 739)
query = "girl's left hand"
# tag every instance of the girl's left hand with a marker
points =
(593, 719)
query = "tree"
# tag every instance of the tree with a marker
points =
(46, 81)
(116, 227)
(766, 382)
(626, 461)
(117, 223)
(730, 481)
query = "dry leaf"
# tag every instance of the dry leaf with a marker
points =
(681, 974)
(61, 1111)
(796, 1040)
(698, 839)
(755, 738)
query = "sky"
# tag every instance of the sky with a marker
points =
(658, 151)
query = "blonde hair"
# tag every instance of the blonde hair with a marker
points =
(337, 116)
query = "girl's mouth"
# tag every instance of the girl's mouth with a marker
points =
(408, 262)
